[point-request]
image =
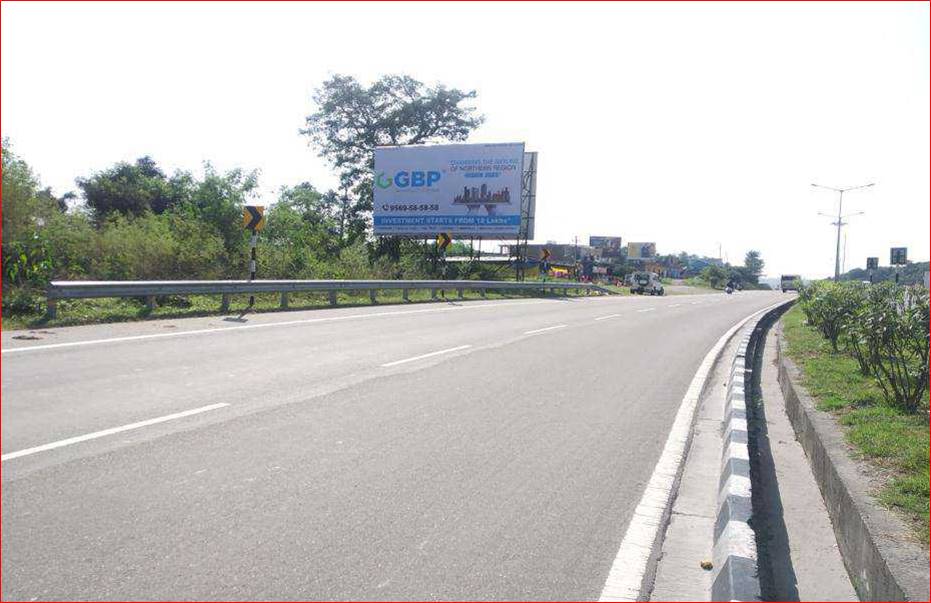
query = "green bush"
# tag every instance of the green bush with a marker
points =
(894, 328)
(884, 327)
(152, 247)
(22, 300)
(828, 306)
(855, 334)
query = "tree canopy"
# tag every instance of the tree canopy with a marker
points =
(753, 263)
(351, 119)
(133, 189)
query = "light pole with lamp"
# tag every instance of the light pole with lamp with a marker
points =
(840, 217)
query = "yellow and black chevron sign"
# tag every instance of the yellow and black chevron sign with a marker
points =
(443, 240)
(253, 217)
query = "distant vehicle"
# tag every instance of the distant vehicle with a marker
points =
(789, 282)
(728, 289)
(646, 283)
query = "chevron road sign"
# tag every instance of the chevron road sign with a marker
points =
(253, 217)
(443, 240)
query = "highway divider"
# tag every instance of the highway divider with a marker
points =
(734, 557)
(151, 289)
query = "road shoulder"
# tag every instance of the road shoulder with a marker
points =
(690, 535)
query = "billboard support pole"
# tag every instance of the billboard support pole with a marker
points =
(528, 195)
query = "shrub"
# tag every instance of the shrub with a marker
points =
(166, 246)
(22, 300)
(894, 327)
(828, 306)
(856, 335)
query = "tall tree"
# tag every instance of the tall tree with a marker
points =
(754, 263)
(218, 201)
(131, 189)
(352, 119)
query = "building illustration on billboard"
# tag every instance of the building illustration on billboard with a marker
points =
(460, 189)
(641, 251)
(477, 196)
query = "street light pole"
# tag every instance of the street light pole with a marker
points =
(840, 217)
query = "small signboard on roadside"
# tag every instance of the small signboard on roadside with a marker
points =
(898, 256)
(253, 217)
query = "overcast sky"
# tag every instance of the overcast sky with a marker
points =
(691, 125)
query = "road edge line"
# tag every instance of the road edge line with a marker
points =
(631, 575)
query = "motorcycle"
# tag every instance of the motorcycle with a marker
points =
(728, 290)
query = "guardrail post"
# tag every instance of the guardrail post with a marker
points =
(459, 291)
(404, 293)
(284, 300)
(432, 293)
(333, 297)
(482, 293)
(51, 307)
(225, 303)
(372, 296)
(150, 302)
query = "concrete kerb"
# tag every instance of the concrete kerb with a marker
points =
(883, 562)
(632, 573)
(734, 554)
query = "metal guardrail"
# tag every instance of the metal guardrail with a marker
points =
(150, 289)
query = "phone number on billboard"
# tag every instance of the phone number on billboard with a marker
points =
(411, 207)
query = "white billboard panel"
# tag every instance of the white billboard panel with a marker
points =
(460, 189)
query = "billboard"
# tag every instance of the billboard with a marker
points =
(872, 263)
(460, 189)
(605, 243)
(640, 251)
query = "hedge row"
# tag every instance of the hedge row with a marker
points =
(884, 327)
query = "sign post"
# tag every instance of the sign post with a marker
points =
(872, 263)
(898, 256)
(442, 242)
(253, 218)
(544, 263)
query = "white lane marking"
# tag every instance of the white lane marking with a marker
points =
(607, 317)
(264, 325)
(646, 310)
(535, 331)
(437, 353)
(675, 305)
(625, 579)
(111, 431)
(695, 303)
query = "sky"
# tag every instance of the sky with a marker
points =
(698, 126)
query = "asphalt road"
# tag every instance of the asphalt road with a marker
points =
(332, 457)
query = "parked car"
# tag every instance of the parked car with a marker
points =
(789, 282)
(646, 283)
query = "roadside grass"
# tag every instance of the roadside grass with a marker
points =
(109, 310)
(893, 442)
(698, 283)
